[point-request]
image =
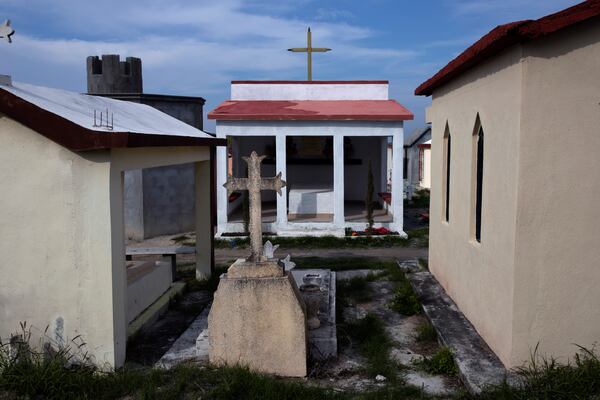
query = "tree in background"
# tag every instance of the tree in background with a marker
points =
(369, 199)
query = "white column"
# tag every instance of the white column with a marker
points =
(203, 225)
(338, 181)
(281, 166)
(383, 165)
(397, 181)
(222, 200)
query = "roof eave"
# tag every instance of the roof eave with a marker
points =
(78, 138)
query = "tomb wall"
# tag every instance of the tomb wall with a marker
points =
(557, 279)
(55, 242)
(479, 277)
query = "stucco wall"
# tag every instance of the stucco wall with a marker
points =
(557, 292)
(160, 201)
(309, 91)
(412, 172)
(55, 240)
(478, 276)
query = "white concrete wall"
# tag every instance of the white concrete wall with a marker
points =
(557, 272)
(377, 131)
(55, 241)
(425, 182)
(143, 291)
(63, 238)
(309, 91)
(478, 276)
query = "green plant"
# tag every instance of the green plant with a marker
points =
(426, 333)
(180, 238)
(405, 301)
(374, 343)
(355, 289)
(369, 198)
(322, 242)
(441, 363)
(419, 200)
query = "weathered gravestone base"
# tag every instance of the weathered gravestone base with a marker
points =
(258, 320)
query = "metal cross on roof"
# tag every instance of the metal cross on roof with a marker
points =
(6, 31)
(309, 50)
(254, 184)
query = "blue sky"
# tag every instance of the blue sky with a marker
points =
(197, 47)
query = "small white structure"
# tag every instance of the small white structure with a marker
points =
(321, 135)
(417, 160)
(62, 238)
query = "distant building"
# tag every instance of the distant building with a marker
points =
(514, 212)
(417, 160)
(322, 136)
(62, 240)
(158, 201)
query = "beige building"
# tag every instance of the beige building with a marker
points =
(62, 225)
(516, 181)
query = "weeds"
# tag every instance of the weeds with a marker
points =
(355, 289)
(180, 238)
(419, 200)
(545, 378)
(441, 363)
(405, 300)
(344, 263)
(374, 344)
(426, 333)
(324, 242)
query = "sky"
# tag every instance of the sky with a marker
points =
(197, 47)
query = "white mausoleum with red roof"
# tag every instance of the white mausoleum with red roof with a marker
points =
(321, 135)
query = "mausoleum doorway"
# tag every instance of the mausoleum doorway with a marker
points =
(239, 147)
(309, 178)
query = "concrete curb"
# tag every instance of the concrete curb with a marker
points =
(478, 365)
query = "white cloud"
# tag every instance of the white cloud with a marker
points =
(189, 48)
(508, 9)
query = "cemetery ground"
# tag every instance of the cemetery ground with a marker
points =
(387, 348)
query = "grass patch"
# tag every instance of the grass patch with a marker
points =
(419, 200)
(441, 363)
(405, 300)
(426, 333)
(344, 263)
(545, 378)
(330, 242)
(180, 238)
(355, 289)
(374, 343)
(188, 275)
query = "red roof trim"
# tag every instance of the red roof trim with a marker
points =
(310, 82)
(310, 110)
(77, 138)
(506, 35)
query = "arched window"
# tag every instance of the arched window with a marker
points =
(446, 174)
(477, 172)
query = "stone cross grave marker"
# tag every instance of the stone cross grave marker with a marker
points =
(254, 184)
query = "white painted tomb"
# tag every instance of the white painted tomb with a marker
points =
(321, 135)
(306, 199)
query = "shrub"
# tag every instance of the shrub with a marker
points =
(441, 363)
(405, 301)
(426, 333)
